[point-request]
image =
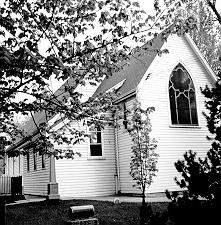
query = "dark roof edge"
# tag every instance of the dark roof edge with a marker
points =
(126, 96)
(23, 142)
(26, 140)
(200, 56)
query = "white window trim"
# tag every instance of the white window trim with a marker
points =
(102, 147)
(184, 126)
(196, 96)
(116, 86)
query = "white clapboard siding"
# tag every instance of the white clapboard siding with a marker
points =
(124, 148)
(36, 181)
(9, 166)
(14, 166)
(173, 142)
(5, 185)
(84, 176)
(18, 165)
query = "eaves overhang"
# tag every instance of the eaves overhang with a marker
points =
(201, 57)
(125, 96)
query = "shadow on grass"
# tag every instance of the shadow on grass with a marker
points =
(47, 213)
(11, 199)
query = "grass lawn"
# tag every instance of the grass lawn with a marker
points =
(107, 212)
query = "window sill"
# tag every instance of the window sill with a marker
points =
(185, 126)
(96, 158)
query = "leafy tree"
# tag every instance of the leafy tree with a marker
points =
(206, 31)
(144, 158)
(2, 166)
(74, 50)
(82, 41)
(198, 17)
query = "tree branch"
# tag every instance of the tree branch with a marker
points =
(14, 90)
(213, 7)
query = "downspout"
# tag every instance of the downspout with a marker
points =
(117, 174)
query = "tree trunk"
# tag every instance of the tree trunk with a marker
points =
(143, 199)
(143, 210)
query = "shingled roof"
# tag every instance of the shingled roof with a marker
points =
(132, 73)
(42, 117)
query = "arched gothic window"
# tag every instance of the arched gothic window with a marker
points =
(182, 97)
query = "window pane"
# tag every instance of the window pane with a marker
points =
(180, 80)
(193, 108)
(173, 106)
(183, 110)
(43, 161)
(34, 161)
(96, 150)
(194, 117)
(93, 137)
(95, 142)
(99, 137)
(182, 97)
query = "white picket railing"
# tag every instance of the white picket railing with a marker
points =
(5, 185)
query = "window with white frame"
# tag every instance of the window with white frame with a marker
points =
(43, 161)
(95, 142)
(182, 98)
(35, 161)
(28, 161)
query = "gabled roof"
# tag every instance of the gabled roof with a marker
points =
(127, 79)
(132, 74)
(42, 117)
(134, 68)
